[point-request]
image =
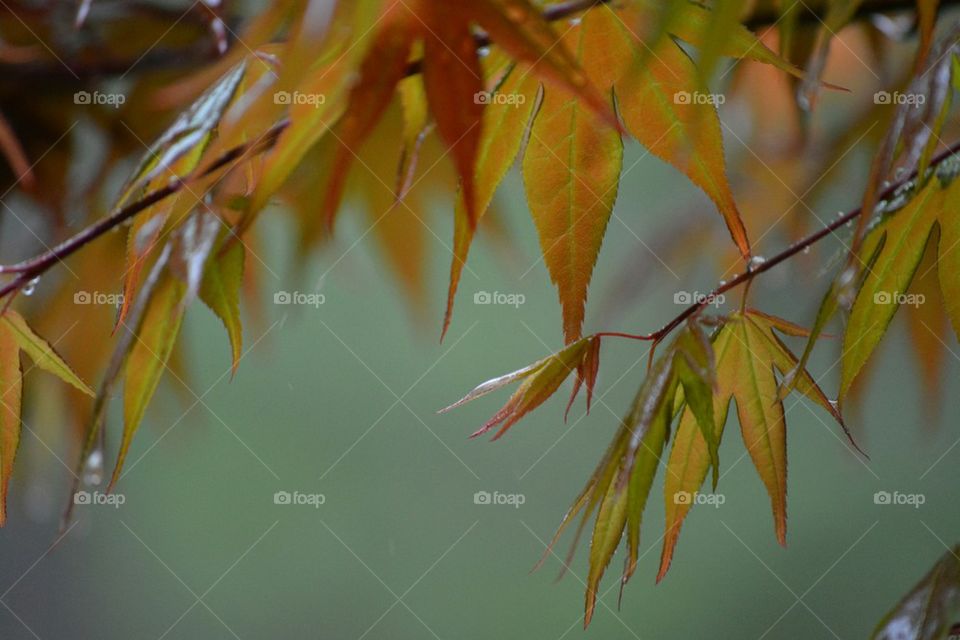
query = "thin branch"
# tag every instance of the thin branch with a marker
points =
(34, 267)
(789, 252)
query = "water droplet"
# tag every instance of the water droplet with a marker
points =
(31, 286)
(834, 403)
(806, 250)
(723, 283)
(575, 21)
(755, 263)
(483, 52)
(898, 174)
(93, 468)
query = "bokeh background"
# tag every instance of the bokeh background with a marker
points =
(341, 400)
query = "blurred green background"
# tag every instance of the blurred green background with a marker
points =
(341, 400)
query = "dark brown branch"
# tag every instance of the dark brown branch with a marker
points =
(34, 267)
(789, 252)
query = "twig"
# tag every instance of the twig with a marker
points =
(789, 252)
(34, 267)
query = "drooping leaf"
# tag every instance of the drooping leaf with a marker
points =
(886, 283)
(453, 79)
(571, 171)
(10, 383)
(40, 351)
(148, 359)
(539, 381)
(220, 290)
(748, 354)
(382, 68)
(505, 121)
(658, 100)
(931, 609)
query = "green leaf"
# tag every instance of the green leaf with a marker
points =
(148, 359)
(220, 290)
(40, 351)
(887, 281)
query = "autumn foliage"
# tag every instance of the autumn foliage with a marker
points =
(329, 104)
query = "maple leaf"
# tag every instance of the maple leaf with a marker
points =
(539, 381)
(452, 77)
(16, 337)
(571, 171)
(748, 356)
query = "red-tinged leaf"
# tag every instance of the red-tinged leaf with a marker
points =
(220, 290)
(930, 611)
(518, 27)
(454, 81)
(504, 124)
(540, 381)
(571, 170)
(148, 358)
(656, 100)
(382, 68)
(586, 374)
(10, 383)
